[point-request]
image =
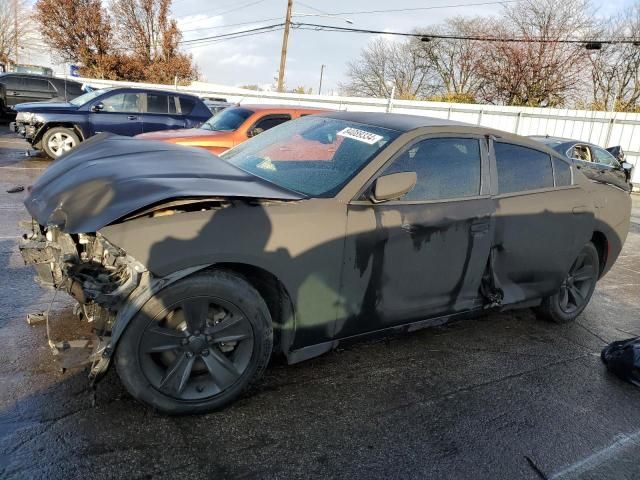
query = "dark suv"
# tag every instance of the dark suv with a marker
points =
(18, 88)
(56, 128)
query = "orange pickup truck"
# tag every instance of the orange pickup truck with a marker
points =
(232, 126)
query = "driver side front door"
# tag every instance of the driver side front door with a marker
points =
(423, 255)
(121, 114)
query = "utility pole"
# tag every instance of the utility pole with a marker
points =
(322, 67)
(285, 41)
(15, 30)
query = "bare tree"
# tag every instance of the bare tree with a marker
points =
(145, 29)
(455, 62)
(543, 74)
(615, 69)
(383, 65)
(16, 30)
(79, 31)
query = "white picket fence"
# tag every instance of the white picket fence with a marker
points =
(602, 128)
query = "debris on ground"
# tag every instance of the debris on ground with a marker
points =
(622, 358)
(16, 189)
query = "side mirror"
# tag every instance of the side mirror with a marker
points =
(255, 131)
(393, 186)
(626, 166)
(98, 107)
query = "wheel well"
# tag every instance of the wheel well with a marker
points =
(49, 126)
(599, 240)
(275, 295)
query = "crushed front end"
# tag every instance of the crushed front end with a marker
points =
(98, 275)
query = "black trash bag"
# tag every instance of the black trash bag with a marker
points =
(622, 358)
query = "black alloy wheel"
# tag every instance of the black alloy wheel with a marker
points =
(577, 286)
(576, 289)
(197, 344)
(199, 349)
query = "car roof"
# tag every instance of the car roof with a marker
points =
(560, 141)
(395, 121)
(152, 90)
(262, 107)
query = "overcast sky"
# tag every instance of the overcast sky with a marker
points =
(255, 59)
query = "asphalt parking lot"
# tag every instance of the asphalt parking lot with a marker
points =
(502, 396)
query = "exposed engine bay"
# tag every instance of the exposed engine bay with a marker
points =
(98, 275)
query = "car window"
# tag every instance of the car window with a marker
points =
(600, 155)
(123, 102)
(445, 168)
(271, 121)
(227, 120)
(580, 152)
(38, 84)
(313, 155)
(562, 172)
(158, 103)
(12, 82)
(187, 105)
(521, 168)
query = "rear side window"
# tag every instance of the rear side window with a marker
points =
(12, 82)
(37, 84)
(562, 172)
(157, 103)
(521, 168)
(187, 105)
(445, 168)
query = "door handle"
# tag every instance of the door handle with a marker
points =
(132, 117)
(580, 209)
(480, 227)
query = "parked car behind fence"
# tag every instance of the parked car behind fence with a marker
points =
(56, 128)
(16, 88)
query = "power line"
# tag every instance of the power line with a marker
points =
(433, 7)
(424, 36)
(211, 42)
(218, 14)
(232, 25)
(265, 29)
(428, 36)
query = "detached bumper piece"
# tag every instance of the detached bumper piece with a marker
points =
(99, 276)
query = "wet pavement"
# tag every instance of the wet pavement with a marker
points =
(502, 396)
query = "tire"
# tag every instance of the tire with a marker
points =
(576, 289)
(172, 358)
(58, 140)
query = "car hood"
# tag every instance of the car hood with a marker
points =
(182, 134)
(44, 106)
(109, 177)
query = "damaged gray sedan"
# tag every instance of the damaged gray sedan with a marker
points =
(195, 269)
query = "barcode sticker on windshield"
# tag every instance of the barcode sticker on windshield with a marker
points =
(360, 135)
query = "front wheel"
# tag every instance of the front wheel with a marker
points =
(196, 345)
(59, 140)
(576, 289)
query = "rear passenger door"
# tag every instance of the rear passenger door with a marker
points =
(162, 113)
(541, 221)
(37, 90)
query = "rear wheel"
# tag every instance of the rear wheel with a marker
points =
(576, 289)
(197, 345)
(59, 140)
